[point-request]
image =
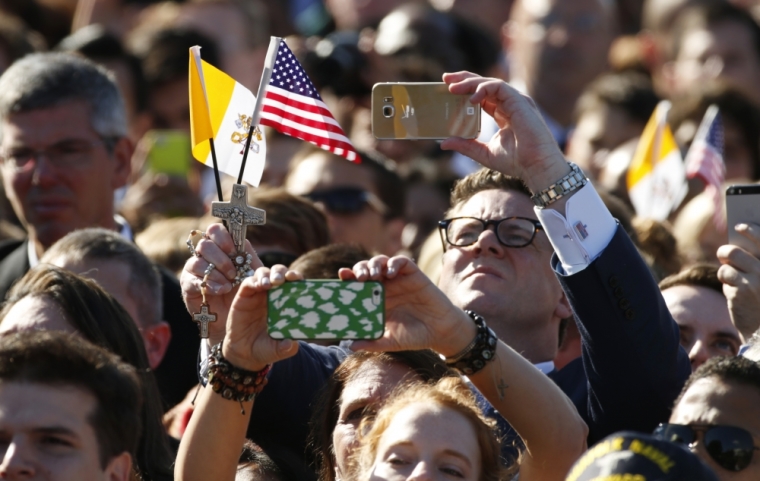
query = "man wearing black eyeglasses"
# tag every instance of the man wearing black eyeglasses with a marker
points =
(718, 416)
(364, 203)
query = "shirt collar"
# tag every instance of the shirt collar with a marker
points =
(124, 229)
(545, 367)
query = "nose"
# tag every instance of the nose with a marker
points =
(698, 354)
(488, 242)
(15, 463)
(44, 172)
(421, 472)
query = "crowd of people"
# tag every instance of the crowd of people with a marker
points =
(535, 327)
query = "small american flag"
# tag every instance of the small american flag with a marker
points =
(705, 160)
(293, 106)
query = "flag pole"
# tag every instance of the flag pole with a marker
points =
(266, 74)
(196, 53)
(216, 171)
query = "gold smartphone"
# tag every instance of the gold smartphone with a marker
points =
(427, 110)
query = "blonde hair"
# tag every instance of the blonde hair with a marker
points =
(449, 392)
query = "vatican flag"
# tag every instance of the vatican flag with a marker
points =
(657, 176)
(221, 109)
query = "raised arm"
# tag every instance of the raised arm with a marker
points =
(420, 316)
(632, 361)
(211, 445)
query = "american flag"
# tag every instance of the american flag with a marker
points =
(293, 106)
(705, 160)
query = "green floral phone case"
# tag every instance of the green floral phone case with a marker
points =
(326, 309)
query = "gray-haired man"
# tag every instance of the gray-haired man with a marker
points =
(63, 152)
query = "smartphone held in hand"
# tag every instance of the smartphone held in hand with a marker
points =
(743, 206)
(427, 110)
(326, 309)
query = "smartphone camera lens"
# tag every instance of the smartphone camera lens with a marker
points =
(388, 111)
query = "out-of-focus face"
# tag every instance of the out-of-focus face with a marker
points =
(357, 14)
(363, 394)
(597, 133)
(113, 276)
(53, 198)
(46, 434)
(490, 278)
(35, 313)
(559, 45)
(428, 442)
(724, 51)
(711, 401)
(320, 173)
(703, 321)
(170, 106)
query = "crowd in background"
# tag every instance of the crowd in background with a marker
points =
(595, 71)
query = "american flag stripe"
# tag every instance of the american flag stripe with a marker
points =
(293, 113)
(297, 129)
(705, 160)
(305, 104)
(279, 115)
(292, 105)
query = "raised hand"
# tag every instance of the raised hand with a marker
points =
(417, 314)
(523, 147)
(740, 275)
(246, 342)
(216, 248)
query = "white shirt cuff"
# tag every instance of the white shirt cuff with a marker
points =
(582, 233)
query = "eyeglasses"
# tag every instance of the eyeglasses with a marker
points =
(511, 232)
(70, 153)
(729, 446)
(347, 200)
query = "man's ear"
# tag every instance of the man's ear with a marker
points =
(156, 338)
(122, 156)
(119, 468)
(563, 309)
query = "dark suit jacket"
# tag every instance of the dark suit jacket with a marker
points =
(176, 375)
(631, 371)
(632, 366)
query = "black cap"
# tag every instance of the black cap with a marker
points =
(642, 458)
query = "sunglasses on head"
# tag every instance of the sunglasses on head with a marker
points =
(730, 447)
(347, 200)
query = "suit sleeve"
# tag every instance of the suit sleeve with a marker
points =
(633, 363)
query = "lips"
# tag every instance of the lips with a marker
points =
(485, 270)
(48, 206)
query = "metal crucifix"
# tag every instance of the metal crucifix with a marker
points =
(238, 214)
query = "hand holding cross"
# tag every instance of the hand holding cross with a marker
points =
(238, 214)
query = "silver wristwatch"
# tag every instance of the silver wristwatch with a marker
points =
(569, 183)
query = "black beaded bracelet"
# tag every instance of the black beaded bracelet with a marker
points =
(232, 382)
(479, 352)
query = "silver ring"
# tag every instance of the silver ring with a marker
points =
(242, 264)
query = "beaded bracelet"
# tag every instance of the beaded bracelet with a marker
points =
(232, 382)
(479, 352)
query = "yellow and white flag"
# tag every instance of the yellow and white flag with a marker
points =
(221, 109)
(657, 176)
